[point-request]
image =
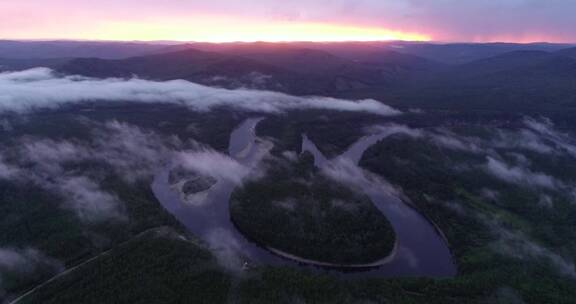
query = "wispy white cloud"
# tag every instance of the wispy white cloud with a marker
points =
(212, 163)
(42, 88)
(545, 128)
(520, 246)
(6, 171)
(88, 199)
(521, 175)
(350, 174)
(226, 248)
(514, 243)
(390, 129)
(25, 264)
(130, 152)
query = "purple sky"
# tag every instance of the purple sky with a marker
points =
(446, 20)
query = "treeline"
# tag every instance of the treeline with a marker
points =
(156, 267)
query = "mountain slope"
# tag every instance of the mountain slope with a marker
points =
(570, 52)
(285, 69)
(7, 64)
(462, 53)
(71, 49)
(517, 80)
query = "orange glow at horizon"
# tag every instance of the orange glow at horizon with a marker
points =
(221, 29)
(248, 32)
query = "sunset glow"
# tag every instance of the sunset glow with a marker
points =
(295, 20)
(226, 31)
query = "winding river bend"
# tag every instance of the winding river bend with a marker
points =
(420, 249)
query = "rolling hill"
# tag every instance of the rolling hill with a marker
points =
(291, 70)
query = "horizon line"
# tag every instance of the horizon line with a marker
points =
(276, 42)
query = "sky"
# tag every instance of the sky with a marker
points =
(300, 20)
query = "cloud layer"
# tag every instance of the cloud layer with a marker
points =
(520, 175)
(208, 162)
(131, 153)
(42, 88)
(25, 265)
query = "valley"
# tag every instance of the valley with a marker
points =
(363, 174)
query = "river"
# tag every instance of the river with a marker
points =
(420, 250)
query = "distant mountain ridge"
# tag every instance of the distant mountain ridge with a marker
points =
(515, 80)
(496, 76)
(449, 53)
(291, 70)
(10, 49)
